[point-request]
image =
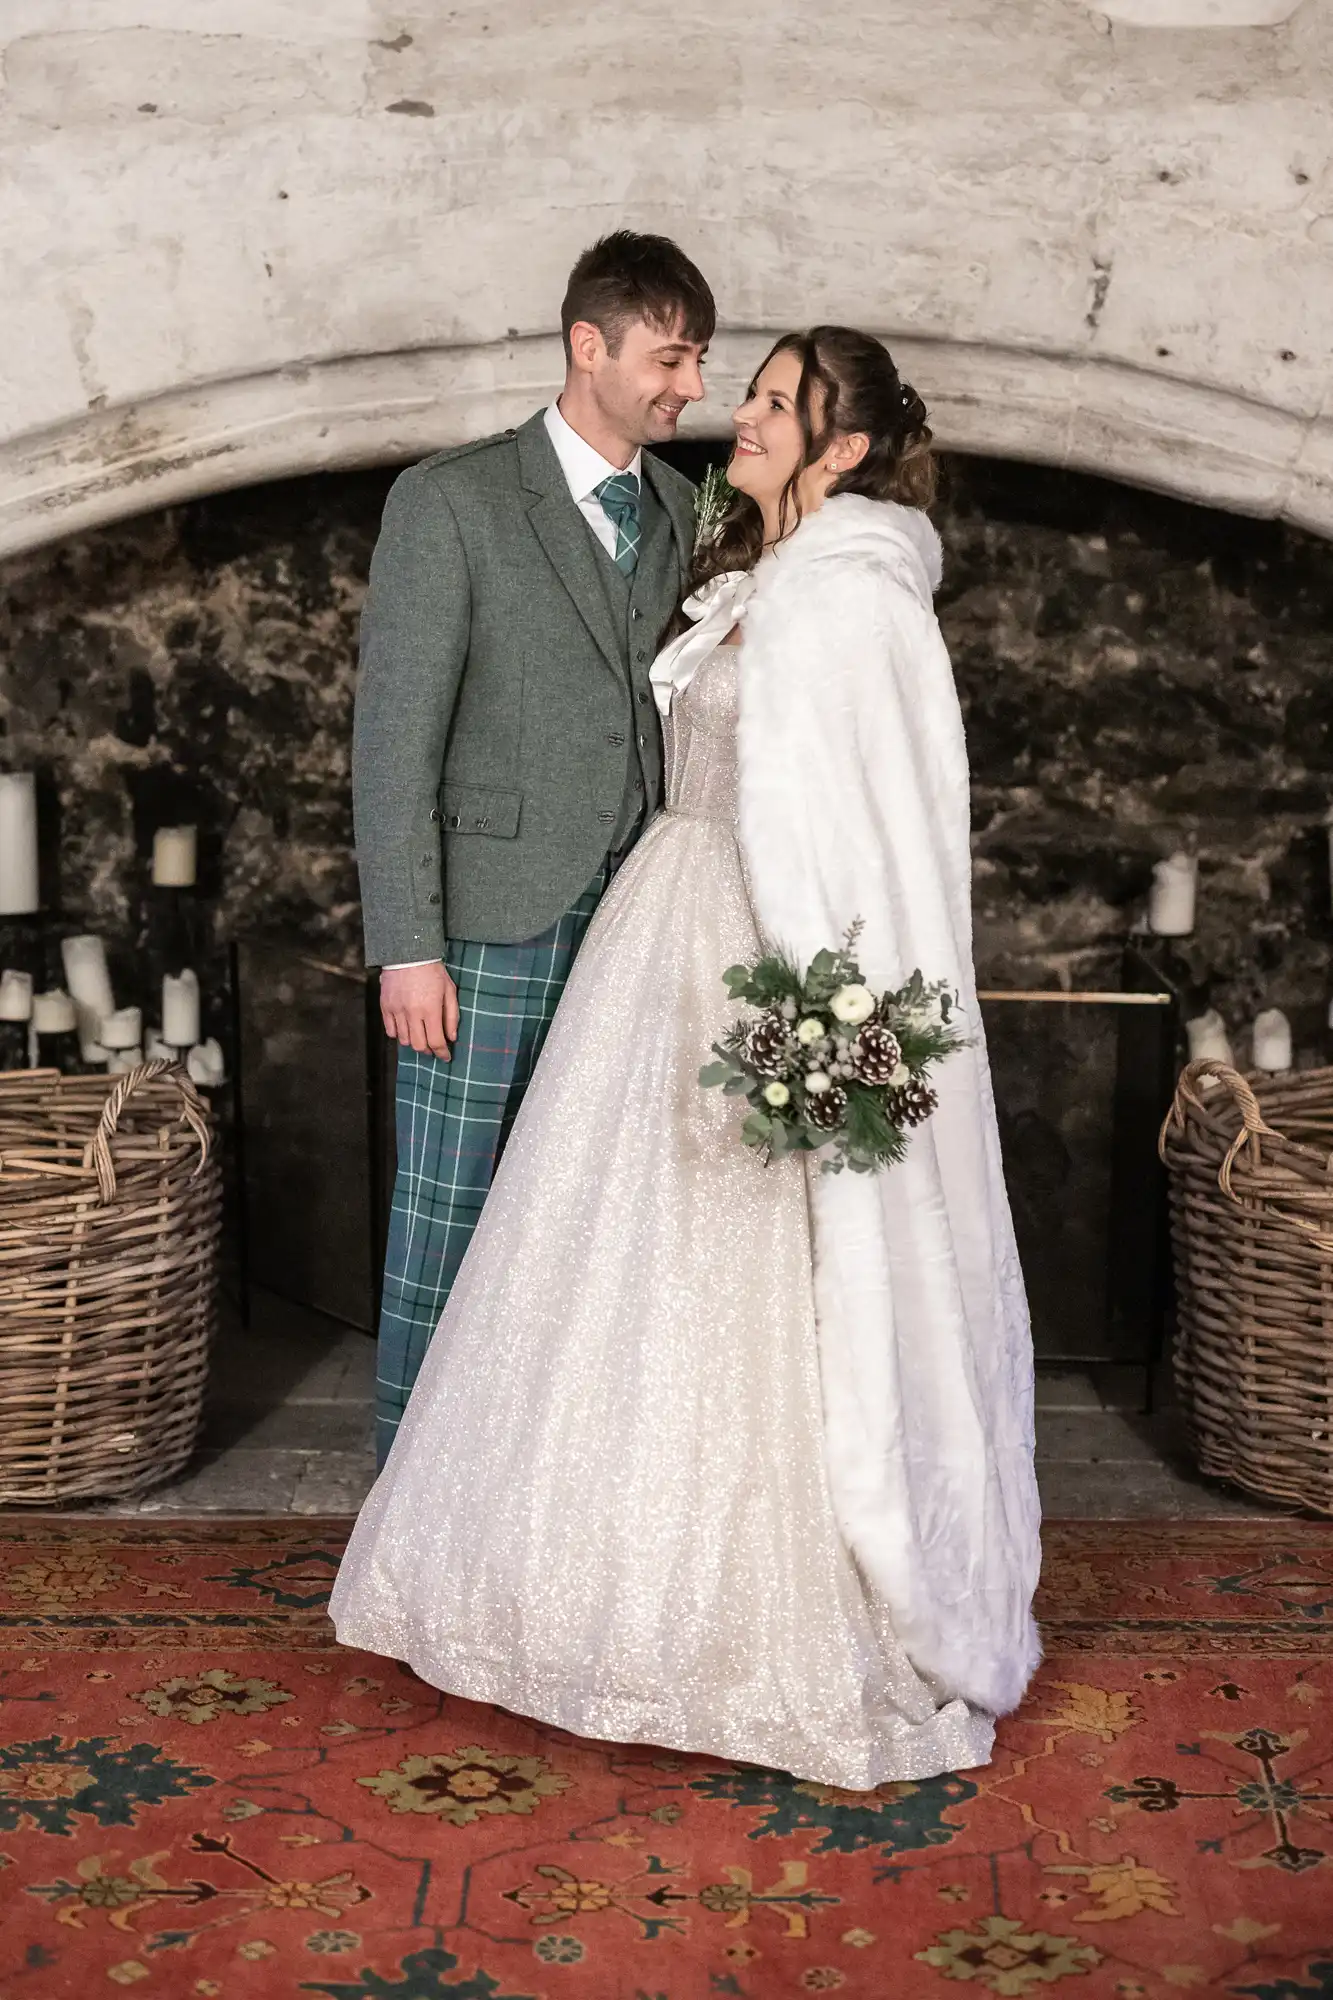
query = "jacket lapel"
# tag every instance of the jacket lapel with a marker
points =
(657, 581)
(565, 535)
(680, 511)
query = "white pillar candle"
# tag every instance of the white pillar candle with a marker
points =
(123, 1029)
(15, 996)
(1171, 901)
(18, 844)
(53, 1013)
(123, 1060)
(89, 984)
(155, 1045)
(204, 1063)
(180, 1010)
(175, 855)
(1272, 1040)
(1208, 1038)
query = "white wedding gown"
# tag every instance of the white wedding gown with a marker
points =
(607, 1506)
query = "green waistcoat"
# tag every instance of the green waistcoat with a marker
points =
(631, 600)
(503, 694)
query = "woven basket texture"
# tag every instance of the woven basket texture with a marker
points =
(1250, 1161)
(110, 1211)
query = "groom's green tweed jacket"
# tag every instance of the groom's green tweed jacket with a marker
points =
(504, 717)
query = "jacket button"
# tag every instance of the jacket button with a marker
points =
(454, 819)
(643, 698)
(636, 614)
(435, 813)
(426, 860)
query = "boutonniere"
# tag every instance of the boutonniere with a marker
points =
(711, 502)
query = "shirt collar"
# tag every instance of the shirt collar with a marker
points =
(583, 467)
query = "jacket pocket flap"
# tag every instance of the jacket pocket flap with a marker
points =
(480, 809)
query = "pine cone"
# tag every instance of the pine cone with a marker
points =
(826, 1108)
(765, 1045)
(875, 1054)
(911, 1105)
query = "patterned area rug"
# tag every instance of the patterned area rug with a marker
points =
(200, 1794)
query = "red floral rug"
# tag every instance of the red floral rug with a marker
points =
(200, 1794)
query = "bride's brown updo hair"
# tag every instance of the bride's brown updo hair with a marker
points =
(849, 383)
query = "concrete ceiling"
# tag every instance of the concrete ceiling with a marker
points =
(286, 236)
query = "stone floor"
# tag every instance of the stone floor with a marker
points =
(289, 1432)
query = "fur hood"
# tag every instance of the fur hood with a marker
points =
(850, 528)
(854, 802)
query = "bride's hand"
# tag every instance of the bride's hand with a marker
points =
(419, 1007)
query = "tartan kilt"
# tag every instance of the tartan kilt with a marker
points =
(453, 1119)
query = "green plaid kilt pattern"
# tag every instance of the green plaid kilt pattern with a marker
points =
(453, 1119)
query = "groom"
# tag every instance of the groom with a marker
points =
(507, 751)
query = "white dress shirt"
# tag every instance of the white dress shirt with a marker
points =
(584, 469)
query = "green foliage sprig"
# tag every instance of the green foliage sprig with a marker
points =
(711, 501)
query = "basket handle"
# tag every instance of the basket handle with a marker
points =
(192, 1114)
(1253, 1125)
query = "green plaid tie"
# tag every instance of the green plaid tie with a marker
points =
(619, 496)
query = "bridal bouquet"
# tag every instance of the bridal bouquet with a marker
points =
(823, 1061)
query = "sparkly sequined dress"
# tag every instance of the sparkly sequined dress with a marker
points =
(607, 1506)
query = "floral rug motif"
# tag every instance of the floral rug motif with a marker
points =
(201, 1794)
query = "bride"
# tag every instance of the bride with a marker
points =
(707, 1454)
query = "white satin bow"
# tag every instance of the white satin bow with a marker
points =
(712, 611)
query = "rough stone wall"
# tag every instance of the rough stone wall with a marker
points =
(1139, 676)
(1136, 674)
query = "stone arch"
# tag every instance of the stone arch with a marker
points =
(1148, 429)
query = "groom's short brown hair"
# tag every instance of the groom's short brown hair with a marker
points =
(625, 277)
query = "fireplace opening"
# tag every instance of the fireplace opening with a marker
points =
(1141, 678)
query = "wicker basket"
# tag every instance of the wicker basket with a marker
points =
(1252, 1219)
(109, 1218)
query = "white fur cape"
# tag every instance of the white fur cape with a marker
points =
(855, 803)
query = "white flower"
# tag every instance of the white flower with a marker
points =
(818, 1081)
(776, 1094)
(810, 1030)
(900, 1076)
(852, 1004)
(788, 1010)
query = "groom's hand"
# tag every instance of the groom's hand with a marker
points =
(419, 1007)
